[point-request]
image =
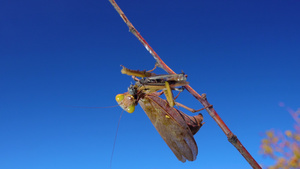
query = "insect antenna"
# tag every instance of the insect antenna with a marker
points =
(112, 153)
(91, 107)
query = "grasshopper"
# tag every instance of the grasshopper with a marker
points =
(174, 126)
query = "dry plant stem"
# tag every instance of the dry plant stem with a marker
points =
(202, 99)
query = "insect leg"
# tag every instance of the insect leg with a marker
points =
(169, 95)
(155, 66)
(136, 73)
(177, 95)
(190, 109)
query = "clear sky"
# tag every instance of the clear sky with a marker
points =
(244, 55)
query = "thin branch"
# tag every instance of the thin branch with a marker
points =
(202, 99)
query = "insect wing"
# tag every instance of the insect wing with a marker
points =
(171, 127)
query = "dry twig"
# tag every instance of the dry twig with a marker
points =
(202, 99)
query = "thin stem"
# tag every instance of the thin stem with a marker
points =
(202, 99)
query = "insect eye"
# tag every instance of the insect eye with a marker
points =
(130, 109)
(119, 97)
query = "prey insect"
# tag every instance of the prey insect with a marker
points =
(175, 127)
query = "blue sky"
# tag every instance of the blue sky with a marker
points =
(244, 55)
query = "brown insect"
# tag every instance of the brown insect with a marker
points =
(175, 127)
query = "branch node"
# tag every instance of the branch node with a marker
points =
(131, 29)
(204, 96)
(233, 139)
